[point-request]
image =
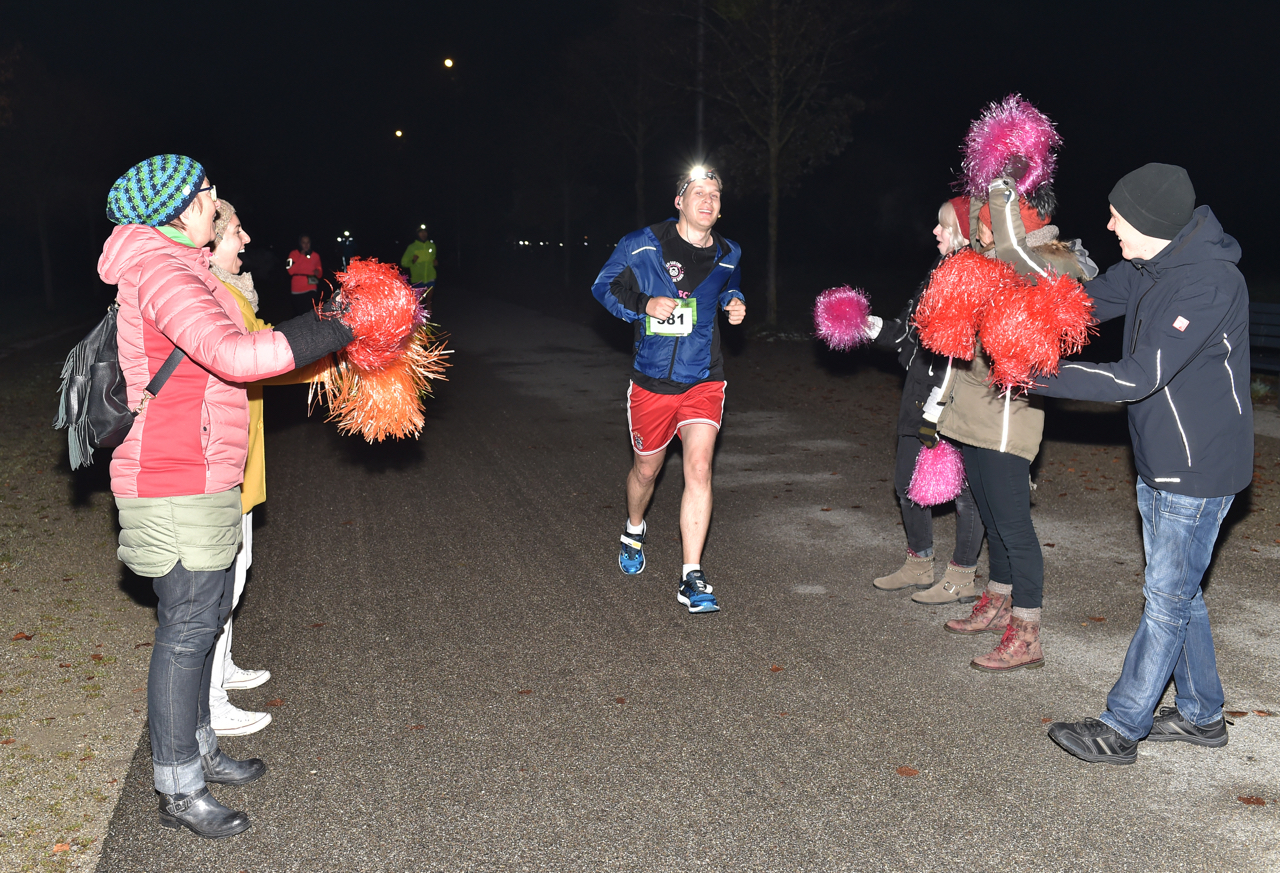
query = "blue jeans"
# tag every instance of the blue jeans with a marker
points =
(194, 606)
(1173, 638)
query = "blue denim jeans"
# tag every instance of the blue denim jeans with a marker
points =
(193, 607)
(1173, 638)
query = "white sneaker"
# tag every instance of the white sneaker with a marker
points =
(240, 679)
(231, 721)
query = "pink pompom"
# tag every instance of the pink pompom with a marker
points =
(939, 475)
(1007, 129)
(951, 307)
(841, 316)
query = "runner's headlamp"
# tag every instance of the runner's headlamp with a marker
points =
(696, 174)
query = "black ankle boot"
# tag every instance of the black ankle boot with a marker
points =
(201, 814)
(228, 771)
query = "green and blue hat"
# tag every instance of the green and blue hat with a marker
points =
(154, 192)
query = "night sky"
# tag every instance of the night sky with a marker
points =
(293, 114)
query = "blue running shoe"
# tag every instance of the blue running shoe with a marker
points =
(631, 556)
(695, 593)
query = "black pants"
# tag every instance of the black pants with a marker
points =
(304, 303)
(917, 520)
(1001, 485)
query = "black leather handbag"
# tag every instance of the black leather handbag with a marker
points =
(94, 406)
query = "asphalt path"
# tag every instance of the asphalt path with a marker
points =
(464, 680)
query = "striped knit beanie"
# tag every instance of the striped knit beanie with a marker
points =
(155, 191)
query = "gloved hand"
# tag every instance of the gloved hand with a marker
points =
(312, 337)
(874, 325)
(928, 436)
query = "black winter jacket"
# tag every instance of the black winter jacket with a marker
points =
(1185, 370)
(924, 369)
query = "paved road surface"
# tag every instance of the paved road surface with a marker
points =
(465, 681)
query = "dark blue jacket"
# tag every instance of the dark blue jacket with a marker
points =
(681, 359)
(1185, 370)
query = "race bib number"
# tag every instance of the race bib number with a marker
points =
(679, 323)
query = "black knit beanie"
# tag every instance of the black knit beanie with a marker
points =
(1156, 199)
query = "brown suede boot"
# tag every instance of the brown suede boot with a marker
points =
(1019, 647)
(917, 572)
(956, 585)
(990, 615)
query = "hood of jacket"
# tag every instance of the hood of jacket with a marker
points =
(130, 245)
(1202, 240)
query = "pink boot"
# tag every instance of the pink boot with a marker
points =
(990, 615)
(1019, 647)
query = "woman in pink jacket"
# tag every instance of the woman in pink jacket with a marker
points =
(176, 477)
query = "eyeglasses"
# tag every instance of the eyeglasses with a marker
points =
(212, 189)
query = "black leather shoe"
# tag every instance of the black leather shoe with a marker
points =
(224, 770)
(201, 814)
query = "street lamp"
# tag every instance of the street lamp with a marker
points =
(399, 133)
(448, 62)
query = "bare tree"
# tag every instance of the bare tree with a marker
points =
(780, 71)
(621, 84)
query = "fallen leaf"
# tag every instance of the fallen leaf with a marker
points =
(275, 702)
(136, 690)
(827, 508)
(96, 656)
(1251, 801)
(346, 522)
(113, 781)
(417, 727)
(318, 624)
(64, 665)
(1096, 618)
(1045, 720)
(142, 645)
(21, 636)
(1236, 713)
(907, 771)
(619, 700)
(61, 847)
(66, 578)
(8, 742)
(1050, 545)
(1262, 712)
(525, 691)
(774, 668)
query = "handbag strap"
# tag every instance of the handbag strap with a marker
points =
(170, 364)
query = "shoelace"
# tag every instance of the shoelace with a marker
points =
(1006, 641)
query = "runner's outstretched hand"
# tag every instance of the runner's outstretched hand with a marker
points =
(736, 310)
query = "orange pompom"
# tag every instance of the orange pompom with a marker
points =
(382, 312)
(386, 401)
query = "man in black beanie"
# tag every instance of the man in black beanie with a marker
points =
(1185, 378)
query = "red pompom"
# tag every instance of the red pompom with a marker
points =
(951, 307)
(1025, 330)
(383, 311)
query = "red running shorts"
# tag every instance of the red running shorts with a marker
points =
(656, 418)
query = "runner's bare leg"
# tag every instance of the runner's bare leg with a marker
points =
(699, 442)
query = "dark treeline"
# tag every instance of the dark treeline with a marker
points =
(835, 123)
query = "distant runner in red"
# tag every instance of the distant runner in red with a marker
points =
(304, 266)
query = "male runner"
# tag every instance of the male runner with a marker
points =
(670, 279)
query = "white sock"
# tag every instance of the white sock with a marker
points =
(684, 574)
(632, 529)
